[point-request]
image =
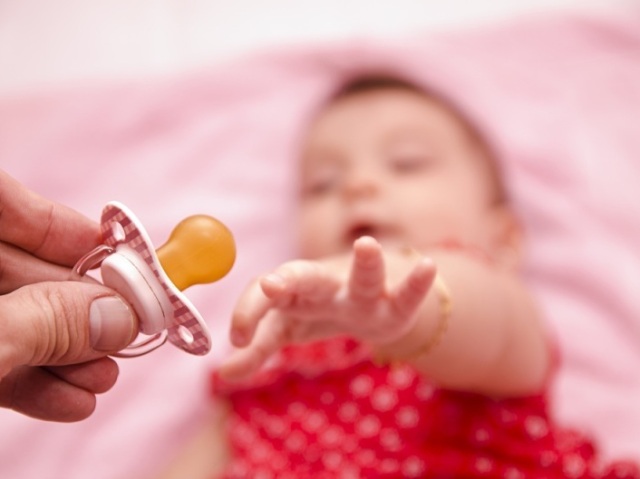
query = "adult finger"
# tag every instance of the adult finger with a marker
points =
(46, 229)
(60, 323)
(96, 376)
(367, 279)
(19, 268)
(38, 393)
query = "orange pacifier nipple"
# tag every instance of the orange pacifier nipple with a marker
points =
(199, 250)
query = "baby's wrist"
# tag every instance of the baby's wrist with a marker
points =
(422, 339)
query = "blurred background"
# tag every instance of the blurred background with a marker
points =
(175, 106)
(46, 44)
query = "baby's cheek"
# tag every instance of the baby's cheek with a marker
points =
(313, 241)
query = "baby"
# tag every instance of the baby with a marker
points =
(404, 343)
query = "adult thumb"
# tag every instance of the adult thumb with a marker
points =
(59, 323)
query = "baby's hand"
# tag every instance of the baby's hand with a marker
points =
(304, 301)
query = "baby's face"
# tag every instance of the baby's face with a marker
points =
(395, 165)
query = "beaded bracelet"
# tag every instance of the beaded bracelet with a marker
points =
(445, 304)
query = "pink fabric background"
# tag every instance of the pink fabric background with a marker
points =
(559, 97)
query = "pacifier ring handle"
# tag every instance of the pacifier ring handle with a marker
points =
(92, 259)
(144, 346)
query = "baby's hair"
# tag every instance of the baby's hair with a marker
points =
(375, 81)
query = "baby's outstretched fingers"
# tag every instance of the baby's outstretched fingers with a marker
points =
(298, 283)
(408, 295)
(278, 288)
(252, 306)
(367, 280)
(268, 338)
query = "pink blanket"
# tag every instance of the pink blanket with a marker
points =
(560, 97)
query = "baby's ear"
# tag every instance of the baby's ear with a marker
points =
(508, 237)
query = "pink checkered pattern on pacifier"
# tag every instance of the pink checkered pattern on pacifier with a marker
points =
(199, 250)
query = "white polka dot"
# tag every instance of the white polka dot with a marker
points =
(332, 436)
(296, 409)
(507, 417)
(481, 435)
(278, 462)
(239, 469)
(349, 445)
(536, 427)
(424, 391)
(513, 474)
(259, 452)
(369, 426)
(407, 417)
(384, 398)
(332, 460)
(263, 474)
(573, 466)
(401, 377)
(348, 412)
(366, 458)
(314, 421)
(350, 472)
(389, 466)
(483, 465)
(361, 386)
(390, 439)
(244, 433)
(275, 427)
(548, 458)
(413, 467)
(295, 442)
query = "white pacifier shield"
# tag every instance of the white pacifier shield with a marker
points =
(125, 273)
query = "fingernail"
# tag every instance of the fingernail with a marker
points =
(274, 280)
(111, 324)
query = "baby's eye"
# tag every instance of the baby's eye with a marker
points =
(410, 162)
(320, 185)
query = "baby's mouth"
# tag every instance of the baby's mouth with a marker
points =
(360, 230)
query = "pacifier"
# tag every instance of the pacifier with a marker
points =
(199, 250)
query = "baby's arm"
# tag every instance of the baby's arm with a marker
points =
(494, 343)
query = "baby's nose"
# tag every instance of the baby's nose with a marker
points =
(361, 184)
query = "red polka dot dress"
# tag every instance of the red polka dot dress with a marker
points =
(297, 420)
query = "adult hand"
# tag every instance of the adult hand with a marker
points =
(55, 334)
